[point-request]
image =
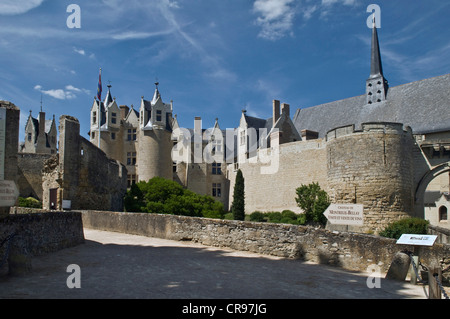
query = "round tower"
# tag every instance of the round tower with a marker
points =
(154, 156)
(372, 167)
(154, 150)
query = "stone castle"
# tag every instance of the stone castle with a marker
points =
(387, 149)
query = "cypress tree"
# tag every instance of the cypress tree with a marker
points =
(238, 205)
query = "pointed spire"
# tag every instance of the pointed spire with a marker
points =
(156, 95)
(108, 98)
(376, 85)
(376, 67)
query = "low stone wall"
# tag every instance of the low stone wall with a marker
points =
(38, 234)
(442, 233)
(353, 251)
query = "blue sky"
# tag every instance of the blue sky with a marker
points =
(213, 58)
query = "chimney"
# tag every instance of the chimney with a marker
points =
(198, 125)
(285, 109)
(276, 111)
(124, 109)
(42, 124)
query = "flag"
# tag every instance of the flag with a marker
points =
(99, 89)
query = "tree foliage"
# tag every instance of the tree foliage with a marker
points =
(162, 196)
(313, 201)
(238, 205)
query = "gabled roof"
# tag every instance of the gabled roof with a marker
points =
(423, 105)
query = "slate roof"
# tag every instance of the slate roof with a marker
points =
(423, 105)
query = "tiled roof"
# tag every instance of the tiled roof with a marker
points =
(423, 105)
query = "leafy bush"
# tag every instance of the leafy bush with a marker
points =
(162, 196)
(411, 225)
(285, 217)
(313, 201)
(29, 202)
(257, 217)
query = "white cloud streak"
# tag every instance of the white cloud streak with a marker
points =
(276, 17)
(15, 7)
(69, 93)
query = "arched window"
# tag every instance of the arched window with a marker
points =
(443, 213)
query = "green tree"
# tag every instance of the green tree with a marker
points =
(238, 205)
(162, 196)
(313, 201)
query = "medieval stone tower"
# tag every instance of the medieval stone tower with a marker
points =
(141, 140)
(154, 157)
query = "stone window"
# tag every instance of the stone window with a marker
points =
(29, 137)
(443, 216)
(131, 180)
(94, 117)
(242, 137)
(131, 158)
(113, 136)
(216, 168)
(216, 189)
(113, 118)
(158, 115)
(131, 134)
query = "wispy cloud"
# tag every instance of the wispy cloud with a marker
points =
(79, 51)
(276, 17)
(70, 92)
(15, 7)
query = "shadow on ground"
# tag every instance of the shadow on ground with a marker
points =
(147, 268)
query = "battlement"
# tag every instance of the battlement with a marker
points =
(371, 127)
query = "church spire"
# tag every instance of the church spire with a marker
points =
(376, 67)
(376, 84)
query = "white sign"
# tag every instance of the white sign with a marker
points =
(345, 214)
(8, 193)
(66, 204)
(2, 142)
(419, 240)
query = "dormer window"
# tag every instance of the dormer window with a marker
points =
(94, 117)
(158, 115)
(114, 118)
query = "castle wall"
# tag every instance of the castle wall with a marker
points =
(373, 167)
(84, 174)
(297, 163)
(29, 180)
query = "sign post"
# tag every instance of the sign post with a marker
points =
(416, 241)
(345, 214)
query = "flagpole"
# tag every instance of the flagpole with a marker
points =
(99, 95)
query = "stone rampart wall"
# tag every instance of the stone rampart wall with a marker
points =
(38, 234)
(351, 251)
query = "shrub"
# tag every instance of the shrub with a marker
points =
(313, 201)
(257, 217)
(411, 225)
(162, 196)
(29, 202)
